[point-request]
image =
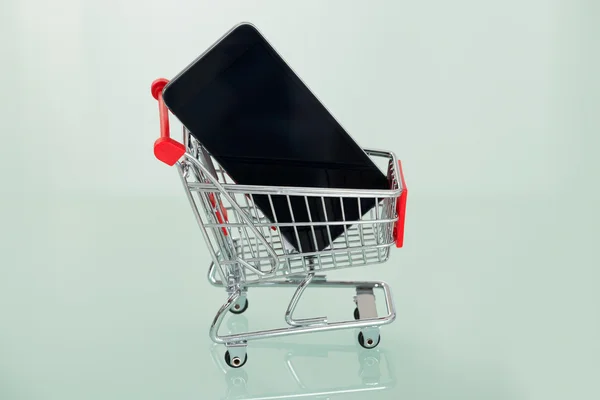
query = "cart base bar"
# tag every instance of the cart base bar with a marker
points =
(365, 316)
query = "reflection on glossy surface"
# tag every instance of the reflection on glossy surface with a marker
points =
(125, 312)
(375, 371)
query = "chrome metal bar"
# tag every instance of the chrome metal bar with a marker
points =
(276, 221)
(295, 224)
(273, 256)
(312, 228)
(203, 230)
(251, 267)
(295, 229)
(293, 330)
(250, 248)
(218, 320)
(344, 219)
(223, 241)
(293, 266)
(328, 252)
(331, 242)
(315, 191)
(294, 302)
(361, 234)
(258, 219)
(295, 191)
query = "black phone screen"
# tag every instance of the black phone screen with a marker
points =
(264, 126)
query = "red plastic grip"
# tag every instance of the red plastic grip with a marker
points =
(166, 149)
(401, 209)
(222, 218)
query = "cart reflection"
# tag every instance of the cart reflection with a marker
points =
(345, 369)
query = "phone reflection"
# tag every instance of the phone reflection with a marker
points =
(320, 370)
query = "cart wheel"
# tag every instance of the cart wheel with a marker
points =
(236, 362)
(238, 309)
(370, 344)
(356, 314)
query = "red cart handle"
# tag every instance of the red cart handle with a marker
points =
(166, 149)
(401, 209)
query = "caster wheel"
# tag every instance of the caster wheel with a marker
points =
(238, 309)
(356, 314)
(369, 344)
(235, 362)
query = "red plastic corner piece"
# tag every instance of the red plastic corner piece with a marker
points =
(157, 87)
(401, 210)
(168, 150)
(222, 218)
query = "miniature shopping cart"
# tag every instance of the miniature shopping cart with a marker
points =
(249, 250)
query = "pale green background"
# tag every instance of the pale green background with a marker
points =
(492, 105)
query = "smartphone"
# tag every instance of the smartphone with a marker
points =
(264, 126)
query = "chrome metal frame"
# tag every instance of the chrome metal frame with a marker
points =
(248, 250)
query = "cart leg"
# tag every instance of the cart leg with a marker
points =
(294, 302)
(366, 308)
(235, 356)
(218, 320)
(236, 284)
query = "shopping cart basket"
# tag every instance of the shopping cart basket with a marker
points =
(248, 250)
